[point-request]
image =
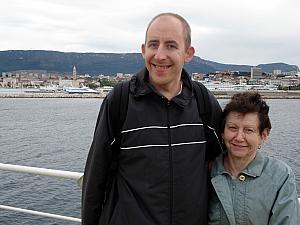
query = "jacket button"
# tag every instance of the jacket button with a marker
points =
(242, 178)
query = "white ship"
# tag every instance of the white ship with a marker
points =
(220, 86)
(79, 90)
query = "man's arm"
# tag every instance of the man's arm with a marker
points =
(96, 168)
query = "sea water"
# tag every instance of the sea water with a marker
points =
(57, 133)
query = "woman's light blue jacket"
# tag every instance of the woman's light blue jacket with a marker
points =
(263, 194)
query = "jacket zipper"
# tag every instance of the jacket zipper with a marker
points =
(170, 163)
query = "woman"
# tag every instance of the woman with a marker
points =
(249, 187)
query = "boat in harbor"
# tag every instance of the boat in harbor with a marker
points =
(42, 89)
(225, 86)
(49, 89)
(80, 90)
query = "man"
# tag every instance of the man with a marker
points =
(161, 177)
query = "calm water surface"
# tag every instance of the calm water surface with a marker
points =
(57, 133)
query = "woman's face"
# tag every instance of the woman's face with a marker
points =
(241, 135)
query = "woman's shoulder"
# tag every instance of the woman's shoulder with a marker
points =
(275, 163)
(276, 168)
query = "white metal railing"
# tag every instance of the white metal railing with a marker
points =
(44, 172)
(38, 213)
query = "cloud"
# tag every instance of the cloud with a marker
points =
(232, 31)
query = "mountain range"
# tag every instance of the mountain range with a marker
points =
(110, 63)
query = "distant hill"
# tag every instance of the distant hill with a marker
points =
(108, 63)
(280, 66)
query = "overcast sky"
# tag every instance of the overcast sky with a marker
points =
(226, 31)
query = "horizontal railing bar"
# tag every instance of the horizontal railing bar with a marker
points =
(45, 172)
(41, 171)
(50, 215)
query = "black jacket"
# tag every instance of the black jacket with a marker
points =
(162, 176)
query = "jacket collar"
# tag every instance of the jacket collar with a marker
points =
(254, 169)
(140, 86)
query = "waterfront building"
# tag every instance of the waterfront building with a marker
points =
(197, 76)
(256, 73)
(290, 73)
(8, 82)
(74, 73)
(274, 82)
(75, 82)
(65, 83)
(277, 72)
(290, 81)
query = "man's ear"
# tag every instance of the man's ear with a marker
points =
(143, 50)
(189, 54)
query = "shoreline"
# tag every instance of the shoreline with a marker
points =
(218, 94)
(48, 95)
(279, 94)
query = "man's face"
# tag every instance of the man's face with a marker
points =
(165, 52)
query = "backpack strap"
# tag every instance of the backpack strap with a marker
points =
(118, 115)
(119, 107)
(203, 103)
(213, 145)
